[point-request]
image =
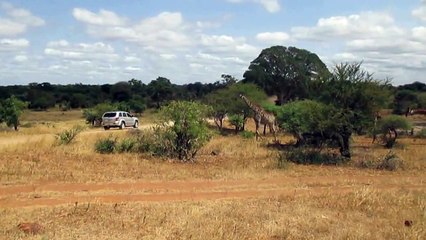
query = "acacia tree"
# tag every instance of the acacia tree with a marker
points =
(355, 92)
(226, 101)
(11, 110)
(285, 72)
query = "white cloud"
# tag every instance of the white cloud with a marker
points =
(363, 25)
(133, 68)
(81, 51)
(17, 21)
(270, 5)
(20, 58)
(421, 11)
(419, 33)
(13, 44)
(168, 56)
(273, 37)
(166, 30)
(132, 59)
(103, 18)
(11, 28)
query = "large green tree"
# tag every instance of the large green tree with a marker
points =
(355, 92)
(11, 110)
(286, 72)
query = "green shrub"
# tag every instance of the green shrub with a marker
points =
(310, 156)
(421, 134)
(236, 120)
(316, 124)
(247, 134)
(65, 137)
(126, 145)
(105, 145)
(188, 132)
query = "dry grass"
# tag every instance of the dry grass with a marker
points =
(365, 212)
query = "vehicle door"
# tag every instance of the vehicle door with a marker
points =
(129, 119)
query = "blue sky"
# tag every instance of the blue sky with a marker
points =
(97, 42)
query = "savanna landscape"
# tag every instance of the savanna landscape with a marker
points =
(290, 144)
(239, 192)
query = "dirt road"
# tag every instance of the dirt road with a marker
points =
(52, 194)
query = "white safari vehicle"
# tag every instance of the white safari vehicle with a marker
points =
(119, 119)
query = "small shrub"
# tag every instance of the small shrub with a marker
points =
(421, 134)
(65, 137)
(391, 162)
(236, 120)
(283, 162)
(247, 134)
(309, 156)
(105, 145)
(126, 145)
(367, 163)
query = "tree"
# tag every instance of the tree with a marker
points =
(403, 100)
(316, 123)
(227, 101)
(160, 91)
(285, 72)
(11, 110)
(354, 91)
(121, 91)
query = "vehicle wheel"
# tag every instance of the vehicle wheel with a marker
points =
(106, 128)
(136, 125)
(122, 125)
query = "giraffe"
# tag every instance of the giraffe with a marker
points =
(261, 116)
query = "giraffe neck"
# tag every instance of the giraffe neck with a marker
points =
(251, 105)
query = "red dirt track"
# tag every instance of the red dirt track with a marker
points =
(52, 194)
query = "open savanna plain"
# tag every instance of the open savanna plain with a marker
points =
(234, 190)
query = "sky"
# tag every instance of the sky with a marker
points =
(187, 41)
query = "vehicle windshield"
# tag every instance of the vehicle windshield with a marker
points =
(110, 114)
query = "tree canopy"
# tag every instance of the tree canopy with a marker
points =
(286, 72)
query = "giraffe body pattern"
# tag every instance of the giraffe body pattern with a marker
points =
(261, 116)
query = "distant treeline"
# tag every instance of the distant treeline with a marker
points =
(41, 96)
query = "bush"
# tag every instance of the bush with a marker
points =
(65, 137)
(126, 145)
(310, 156)
(391, 162)
(236, 120)
(105, 145)
(187, 133)
(247, 134)
(421, 134)
(316, 124)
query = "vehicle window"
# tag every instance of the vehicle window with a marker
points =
(126, 114)
(121, 114)
(109, 114)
